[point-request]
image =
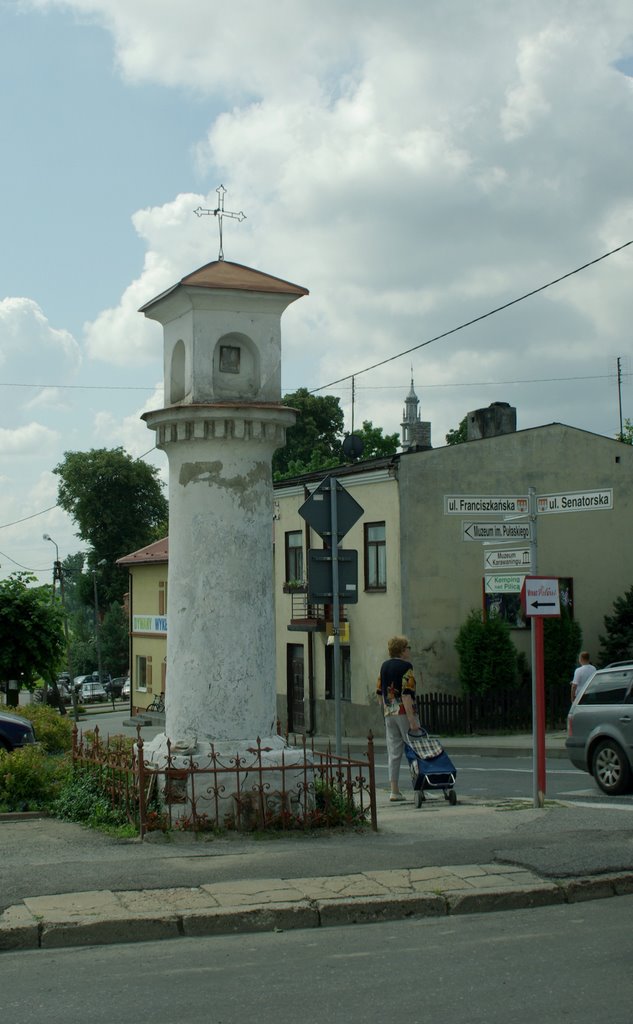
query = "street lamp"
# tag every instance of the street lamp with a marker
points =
(58, 575)
(57, 568)
(97, 623)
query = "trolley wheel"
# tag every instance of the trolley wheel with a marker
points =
(452, 798)
(419, 798)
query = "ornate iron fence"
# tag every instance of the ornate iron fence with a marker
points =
(291, 788)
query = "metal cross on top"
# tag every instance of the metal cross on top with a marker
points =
(220, 213)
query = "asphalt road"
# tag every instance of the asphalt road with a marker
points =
(563, 963)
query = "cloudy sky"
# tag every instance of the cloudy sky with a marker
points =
(413, 164)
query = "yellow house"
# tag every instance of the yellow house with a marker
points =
(304, 643)
(147, 603)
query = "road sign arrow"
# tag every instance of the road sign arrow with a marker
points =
(543, 604)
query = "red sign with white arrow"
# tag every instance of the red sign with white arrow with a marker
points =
(540, 596)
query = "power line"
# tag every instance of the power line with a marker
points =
(50, 508)
(24, 520)
(19, 564)
(475, 320)
(83, 387)
(484, 383)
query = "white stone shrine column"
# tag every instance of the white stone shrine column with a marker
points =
(221, 662)
(222, 421)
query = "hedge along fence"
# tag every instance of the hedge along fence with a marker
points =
(497, 710)
(304, 788)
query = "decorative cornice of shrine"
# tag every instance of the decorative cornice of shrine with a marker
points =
(258, 422)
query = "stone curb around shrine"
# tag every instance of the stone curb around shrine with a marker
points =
(274, 905)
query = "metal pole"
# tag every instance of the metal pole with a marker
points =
(534, 651)
(97, 628)
(336, 614)
(540, 712)
(73, 692)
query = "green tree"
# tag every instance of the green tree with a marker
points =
(627, 433)
(459, 434)
(31, 632)
(114, 639)
(118, 505)
(82, 643)
(76, 583)
(315, 441)
(617, 643)
(487, 656)
(375, 443)
(562, 641)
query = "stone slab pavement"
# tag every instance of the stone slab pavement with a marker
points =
(63, 885)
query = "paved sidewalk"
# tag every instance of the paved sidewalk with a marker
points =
(299, 898)
(437, 861)
(511, 745)
(276, 904)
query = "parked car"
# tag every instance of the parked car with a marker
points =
(113, 687)
(600, 729)
(125, 692)
(15, 731)
(91, 692)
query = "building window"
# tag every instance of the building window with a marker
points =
(143, 673)
(346, 673)
(162, 597)
(294, 556)
(375, 557)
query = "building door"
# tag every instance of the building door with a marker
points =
(294, 678)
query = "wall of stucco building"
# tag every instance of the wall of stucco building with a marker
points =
(376, 616)
(148, 627)
(442, 574)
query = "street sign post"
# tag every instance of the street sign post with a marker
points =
(505, 583)
(331, 512)
(317, 509)
(540, 597)
(320, 588)
(575, 501)
(485, 504)
(541, 600)
(508, 559)
(496, 532)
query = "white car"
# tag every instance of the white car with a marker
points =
(92, 692)
(125, 692)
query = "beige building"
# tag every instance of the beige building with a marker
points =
(421, 552)
(423, 543)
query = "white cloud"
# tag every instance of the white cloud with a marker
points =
(129, 431)
(31, 439)
(26, 335)
(413, 165)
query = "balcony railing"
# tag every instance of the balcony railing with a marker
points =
(304, 614)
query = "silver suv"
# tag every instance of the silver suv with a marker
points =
(600, 728)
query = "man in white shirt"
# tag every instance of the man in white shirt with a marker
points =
(582, 674)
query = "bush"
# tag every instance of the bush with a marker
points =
(83, 798)
(562, 641)
(487, 656)
(53, 731)
(30, 779)
(617, 645)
